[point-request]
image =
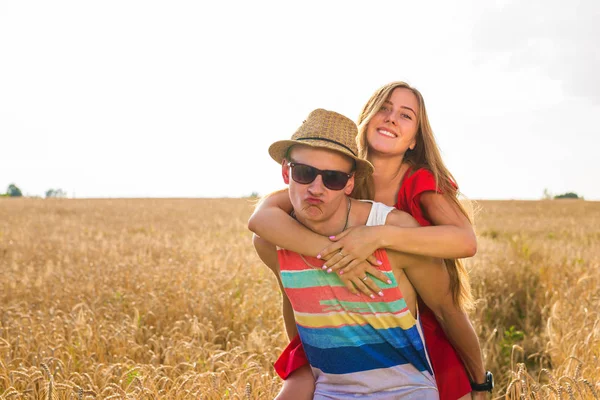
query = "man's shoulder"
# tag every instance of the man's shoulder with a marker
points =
(382, 214)
(372, 213)
(401, 219)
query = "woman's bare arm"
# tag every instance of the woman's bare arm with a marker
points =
(451, 236)
(433, 285)
(271, 221)
(353, 280)
(430, 279)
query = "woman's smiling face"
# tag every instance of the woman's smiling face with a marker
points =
(393, 129)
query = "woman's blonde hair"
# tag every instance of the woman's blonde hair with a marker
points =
(424, 155)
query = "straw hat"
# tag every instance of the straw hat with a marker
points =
(329, 130)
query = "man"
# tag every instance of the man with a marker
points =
(356, 345)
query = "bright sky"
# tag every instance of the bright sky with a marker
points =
(182, 99)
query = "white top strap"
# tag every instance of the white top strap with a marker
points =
(378, 214)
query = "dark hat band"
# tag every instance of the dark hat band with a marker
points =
(331, 141)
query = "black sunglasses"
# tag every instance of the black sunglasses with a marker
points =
(305, 174)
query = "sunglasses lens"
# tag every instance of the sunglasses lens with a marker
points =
(335, 180)
(303, 174)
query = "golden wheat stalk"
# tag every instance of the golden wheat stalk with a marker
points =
(50, 395)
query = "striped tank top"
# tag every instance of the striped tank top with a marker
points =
(357, 347)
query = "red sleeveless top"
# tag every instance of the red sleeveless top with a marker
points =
(450, 374)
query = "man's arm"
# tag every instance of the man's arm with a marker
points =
(300, 384)
(268, 254)
(430, 279)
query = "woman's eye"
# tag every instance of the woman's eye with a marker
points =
(384, 108)
(406, 116)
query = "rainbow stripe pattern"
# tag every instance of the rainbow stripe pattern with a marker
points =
(357, 346)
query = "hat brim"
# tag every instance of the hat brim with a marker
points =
(279, 149)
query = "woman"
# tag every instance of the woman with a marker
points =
(395, 136)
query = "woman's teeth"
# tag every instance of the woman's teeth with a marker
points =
(386, 133)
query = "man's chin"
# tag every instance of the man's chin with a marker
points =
(311, 211)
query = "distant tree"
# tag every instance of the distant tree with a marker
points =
(14, 191)
(254, 195)
(55, 193)
(547, 195)
(569, 195)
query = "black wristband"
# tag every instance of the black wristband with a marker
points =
(487, 386)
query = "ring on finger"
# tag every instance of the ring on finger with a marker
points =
(365, 278)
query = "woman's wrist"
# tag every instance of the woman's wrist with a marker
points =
(384, 236)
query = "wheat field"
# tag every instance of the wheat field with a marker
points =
(165, 298)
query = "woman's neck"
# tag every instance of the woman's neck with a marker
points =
(387, 177)
(387, 169)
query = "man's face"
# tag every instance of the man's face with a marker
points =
(314, 201)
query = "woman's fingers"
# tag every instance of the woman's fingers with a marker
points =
(349, 285)
(367, 286)
(338, 262)
(329, 251)
(366, 268)
(349, 267)
(379, 275)
(357, 285)
(333, 260)
(362, 287)
(340, 235)
(359, 279)
(373, 260)
(370, 283)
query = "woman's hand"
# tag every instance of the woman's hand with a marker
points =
(358, 280)
(350, 248)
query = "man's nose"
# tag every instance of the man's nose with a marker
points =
(316, 186)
